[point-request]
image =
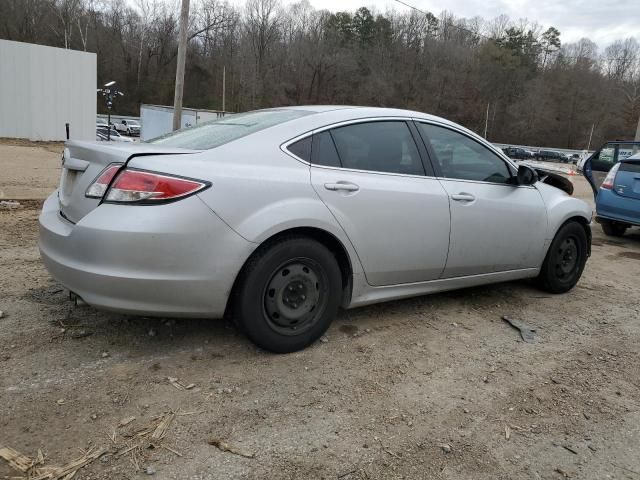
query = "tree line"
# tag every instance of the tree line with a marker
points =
(516, 79)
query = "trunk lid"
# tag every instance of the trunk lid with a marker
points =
(627, 181)
(82, 164)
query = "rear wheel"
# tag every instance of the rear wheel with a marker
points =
(565, 260)
(613, 229)
(289, 292)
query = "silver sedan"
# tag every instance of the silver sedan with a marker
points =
(280, 217)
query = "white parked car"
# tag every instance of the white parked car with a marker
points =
(128, 127)
(280, 217)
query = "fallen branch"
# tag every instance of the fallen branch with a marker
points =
(225, 447)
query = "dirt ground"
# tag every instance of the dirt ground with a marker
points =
(436, 387)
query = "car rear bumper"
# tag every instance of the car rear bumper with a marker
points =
(611, 206)
(177, 259)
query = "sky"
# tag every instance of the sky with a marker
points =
(601, 21)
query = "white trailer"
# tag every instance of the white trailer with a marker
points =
(43, 88)
(157, 120)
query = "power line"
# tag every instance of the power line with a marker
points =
(452, 25)
(573, 57)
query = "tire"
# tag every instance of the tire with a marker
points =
(288, 294)
(613, 229)
(565, 259)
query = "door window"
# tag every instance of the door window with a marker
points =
(625, 150)
(384, 146)
(462, 158)
(324, 150)
(604, 159)
(301, 149)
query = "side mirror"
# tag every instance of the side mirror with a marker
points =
(526, 175)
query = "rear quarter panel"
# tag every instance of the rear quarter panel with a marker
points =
(257, 190)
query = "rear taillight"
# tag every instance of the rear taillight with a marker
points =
(137, 186)
(611, 176)
(99, 186)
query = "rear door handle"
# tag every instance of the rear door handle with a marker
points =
(463, 197)
(347, 187)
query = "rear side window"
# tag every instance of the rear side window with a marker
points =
(324, 150)
(220, 131)
(385, 146)
(301, 149)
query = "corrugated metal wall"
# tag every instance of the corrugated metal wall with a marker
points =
(42, 88)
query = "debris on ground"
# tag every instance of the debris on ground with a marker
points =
(9, 204)
(81, 334)
(34, 469)
(507, 432)
(126, 421)
(446, 448)
(527, 332)
(179, 385)
(148, 437)
(225, 447)
(1, 314)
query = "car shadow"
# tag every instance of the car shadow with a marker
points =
(146, 338)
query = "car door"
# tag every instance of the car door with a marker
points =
(496, 225)
(597, 166)
(396, 214)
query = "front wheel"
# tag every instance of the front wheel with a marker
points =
(613, 229)
(565, 260)
(288, 294)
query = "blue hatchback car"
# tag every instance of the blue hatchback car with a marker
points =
(614, 174)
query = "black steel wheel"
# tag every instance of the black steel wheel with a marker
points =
(565, 259)
(288, 293)
(295, 296)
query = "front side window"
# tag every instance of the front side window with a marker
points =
(220, 131)
(460, 157)
(383, 146)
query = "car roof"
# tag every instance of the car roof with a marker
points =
(364, 111)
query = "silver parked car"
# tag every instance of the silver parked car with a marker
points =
(279, 217)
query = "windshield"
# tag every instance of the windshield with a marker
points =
(220, 131)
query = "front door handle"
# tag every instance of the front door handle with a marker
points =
(344, 186)
(463, 197)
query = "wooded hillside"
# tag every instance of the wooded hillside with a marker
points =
(539, 90)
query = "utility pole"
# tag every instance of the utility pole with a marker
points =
(182, 56)
(486, 120)
(224, 89)
(593, 125)
(637, 139)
